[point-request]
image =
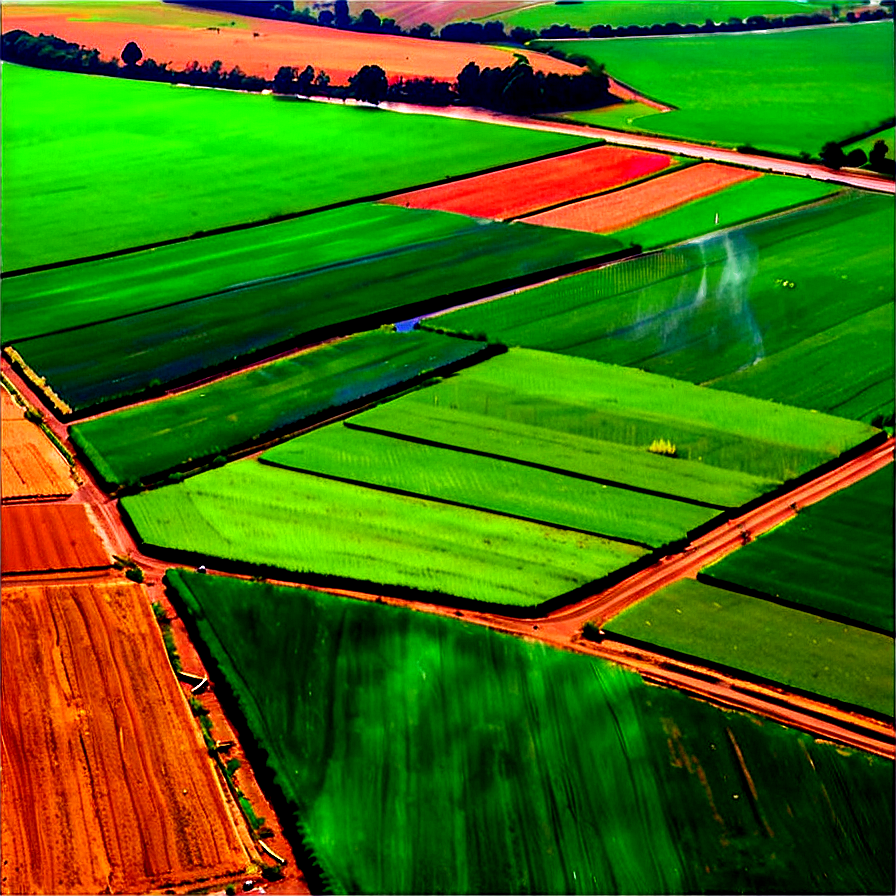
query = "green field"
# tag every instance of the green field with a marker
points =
(734, 205)
(418, 754)
(254, 513)
(786, 92)
(789, 646)
(888, 135)
(834, 557)
(144, 441)
(94, 164)
(490, 484)
(95, 364)
(717, 310)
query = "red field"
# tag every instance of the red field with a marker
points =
(49, 538)
(257, 46)
(9, 410)
(31, 467)
(106, 785)
(624, 208)
(526, 188)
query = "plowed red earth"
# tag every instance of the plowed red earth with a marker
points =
(49, 537)
(106, 786)
(339, 53)
(31, 467)
(625, 208)
(526, 188)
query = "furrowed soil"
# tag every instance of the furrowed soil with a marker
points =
(31, 466)
(537, 185)
(261, 46)
(49, 537)
(106, 785)
(624, 208)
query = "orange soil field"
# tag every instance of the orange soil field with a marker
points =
(409, 13)
(525, 188)
(9, 410)
(624, 208)
(49, 537)
(106, 785)
(339, 53)
(31, 466)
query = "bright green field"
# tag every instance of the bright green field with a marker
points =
(648, 12)
(96, 164)
(867, 143)
(762, 638)
(137, 13)
(834, 557)
(422, 755)
(717, 310)
(95, 364)
(255, 513)
(787, 92)
(617, 404)
(489, 484)
(146, 440)
(733, 205)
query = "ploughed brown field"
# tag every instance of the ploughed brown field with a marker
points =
(31, 466)
(49, 538)
(625, 208)
(106, 785)
(523, 189)
(262, 45)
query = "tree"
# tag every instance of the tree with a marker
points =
(368, 22)
(131, 54)
(424, 30)
(856, 158)
(305, 81)
(283, 80)
(369, 84)
(341, 17)
(878, 154)
(832, 155)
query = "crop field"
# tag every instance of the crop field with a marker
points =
(486, 483)
(97, 734)
(789, 646)
(254, 513)
(527, 188)
(835, 557)
(409, 13)
(763, 90)
(87, 141)
(624, 208)
(574, 397)
(31, 465)
(749, 310)
(143, 441)
(9, 408)
(261, 46)
(888, 135)
(50, 537)
(442, 746)
(93, 365)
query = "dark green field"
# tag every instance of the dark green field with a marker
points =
(834, 557)
(143, 441)
(422, 755)
(750, 310)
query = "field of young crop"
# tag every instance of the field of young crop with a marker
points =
(788, 646)
(888, 135)
(787, 92)
(106, 784)
(487, 483)
(524, 189)
(835, 557)
(93, 365)
(144, 441)
(623, 209)
(76, 148)
(743, 310)
(251, 512)
(468, 758)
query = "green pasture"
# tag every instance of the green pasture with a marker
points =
(647, 12)
(743, 310)
(734, 205)
(418, 754)
(619, 404)
(93, 165)
(834, 557)
(489, 484)
(96, 364)
(255, 513)
(789, 646)
(785, 92)
(150, 439)
(417, 418)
